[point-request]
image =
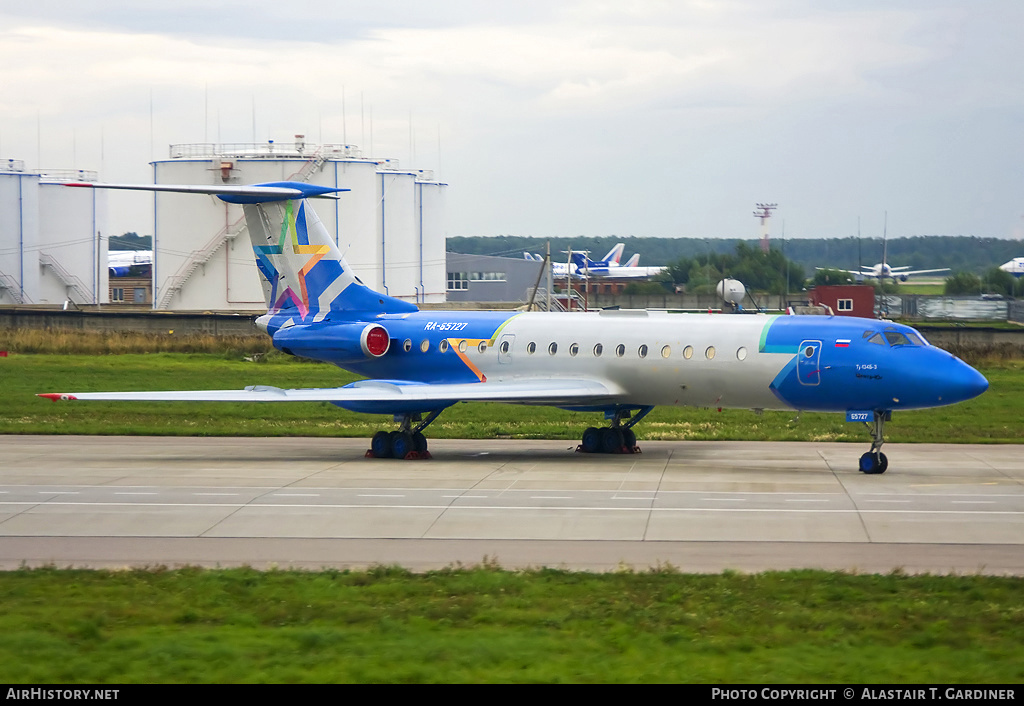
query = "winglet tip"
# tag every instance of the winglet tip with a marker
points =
(54, 396)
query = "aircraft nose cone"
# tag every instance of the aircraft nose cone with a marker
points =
(965, 383)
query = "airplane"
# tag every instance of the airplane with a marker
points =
(1015, 266)
(610, 267)
(882, 270)
(119, 262)
(619, 363)
(558, 269)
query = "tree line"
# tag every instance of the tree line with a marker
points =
(958, 252)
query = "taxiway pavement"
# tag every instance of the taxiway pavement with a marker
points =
(697, 506)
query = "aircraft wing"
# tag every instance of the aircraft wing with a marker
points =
(552, 391)
(921, 272)
(861, 273)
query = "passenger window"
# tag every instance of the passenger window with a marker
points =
(666, 351)
(407, 346)
(741, 354)
(642, 351)
(443, 345)
(574, 349)
(424, 345)
(462, 346)
(553, 348)
(531, 347)
(688, 352)
(503, 347)
(620, 350)
(598, 350)
(710, 352)
(482, 347)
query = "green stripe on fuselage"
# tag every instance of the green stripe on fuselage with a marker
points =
(497, 332)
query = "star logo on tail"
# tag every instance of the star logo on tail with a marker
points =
(289, 261)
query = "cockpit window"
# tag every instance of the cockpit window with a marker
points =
(895, 338)
(915, 339)
(877, 338)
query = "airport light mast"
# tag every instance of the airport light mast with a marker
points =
(764, 212)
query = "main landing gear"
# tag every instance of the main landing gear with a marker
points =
(406, 443)
(874, 461)
(615, 439)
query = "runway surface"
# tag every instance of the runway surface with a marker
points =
(697, 506)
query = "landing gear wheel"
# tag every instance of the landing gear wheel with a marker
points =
(611, 440)
(401, 444)
(380, 445)
(407, 442)
(628, 439)
(615, 439)
(873, 463)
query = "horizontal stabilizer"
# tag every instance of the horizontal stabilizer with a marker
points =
(255, 193)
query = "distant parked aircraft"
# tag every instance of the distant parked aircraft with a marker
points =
(119, 262)
(560, 269)
(610, 267)
(1015, 267)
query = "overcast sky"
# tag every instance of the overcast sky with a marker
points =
(654, 118)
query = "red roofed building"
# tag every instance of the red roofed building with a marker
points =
(845, 299)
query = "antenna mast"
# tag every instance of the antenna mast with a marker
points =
(764, 212)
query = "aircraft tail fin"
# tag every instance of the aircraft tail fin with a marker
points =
(614, 255)
(305, 277)
(581, 260)
(633, 261)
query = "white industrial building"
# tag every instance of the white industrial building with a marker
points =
(389, 226)
(52, 246)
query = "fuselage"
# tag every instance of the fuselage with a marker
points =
(835, 364)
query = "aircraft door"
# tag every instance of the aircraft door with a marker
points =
(808, 363)
(505, 345)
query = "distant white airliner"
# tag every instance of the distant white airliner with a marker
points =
(561, 269)
(882, 270)
(1015, 266)
(610, 267)
(119, 262)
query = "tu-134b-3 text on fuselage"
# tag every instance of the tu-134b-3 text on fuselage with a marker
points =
(619, 363)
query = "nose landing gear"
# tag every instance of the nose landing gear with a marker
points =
(874, 461)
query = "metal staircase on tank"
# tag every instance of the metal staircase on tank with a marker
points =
(176, 282)
(77, 287)
(11, 285)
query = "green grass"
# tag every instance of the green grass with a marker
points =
(489, 625)
(931, 289)
(994, 417)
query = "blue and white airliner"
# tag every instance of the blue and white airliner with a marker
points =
(617, 363)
